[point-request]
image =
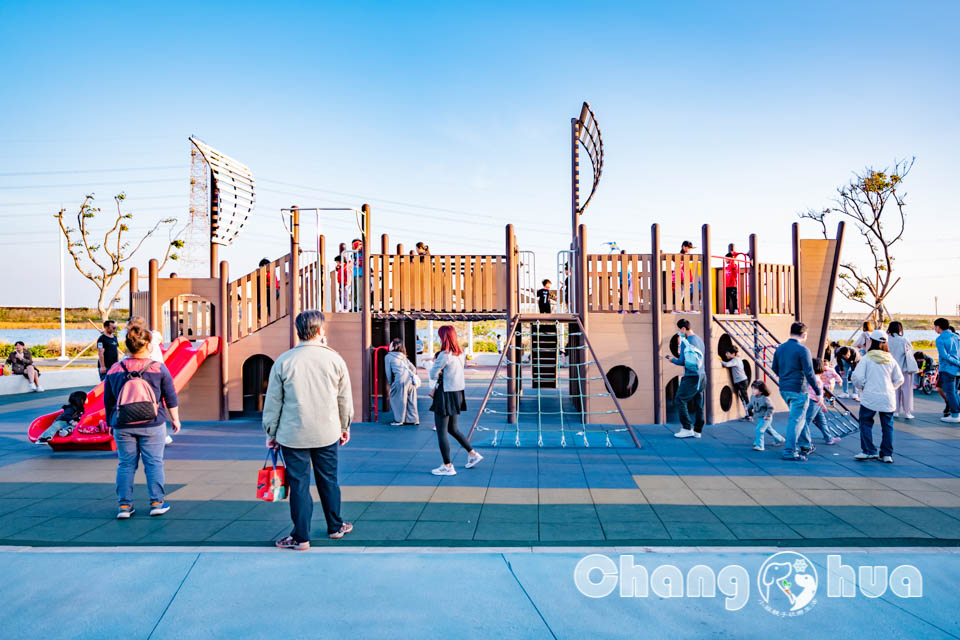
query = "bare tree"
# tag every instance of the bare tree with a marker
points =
(865, 200)
(103, 262)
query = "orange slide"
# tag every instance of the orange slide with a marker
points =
(182, 359)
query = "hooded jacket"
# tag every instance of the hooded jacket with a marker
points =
(878, 376)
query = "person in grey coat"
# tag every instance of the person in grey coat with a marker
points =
(402, 382)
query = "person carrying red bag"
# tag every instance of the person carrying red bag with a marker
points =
(307, 414)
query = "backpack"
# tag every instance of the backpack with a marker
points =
(136, 401)
(692, 358)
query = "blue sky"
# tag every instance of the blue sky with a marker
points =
(452, 119)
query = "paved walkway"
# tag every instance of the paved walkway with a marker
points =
(489, 594)
(716, 490)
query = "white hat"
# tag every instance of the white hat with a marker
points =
(879, 336)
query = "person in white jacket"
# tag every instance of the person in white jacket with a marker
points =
(878, 376)
(902, 352)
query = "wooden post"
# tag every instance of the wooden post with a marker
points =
(366, 321)
(797, 315)
(223, 331)
(399, 249)
(294, 304)
(656, 314)
(706, 308)
(834, 270)
(510, 245)
(581, 256)
(753, 283)
(154, 315)
(132, 287)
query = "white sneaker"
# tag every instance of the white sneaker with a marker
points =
(168, 440)
(864, 456)
(909, 416)
(953, 419)
(684, 433)
(33, 387)
(473, 461)
(755, 448)
(444, 470)
(38, 388)
(887, 459)
(841, 395)
(856, 398)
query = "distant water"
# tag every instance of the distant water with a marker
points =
(910, 334)
(43, 336)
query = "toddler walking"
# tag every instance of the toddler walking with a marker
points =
(816, 408)
(761, 409)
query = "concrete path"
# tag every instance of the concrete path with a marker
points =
(523, 593)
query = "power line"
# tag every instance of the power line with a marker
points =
(76, 171)
(87, 184)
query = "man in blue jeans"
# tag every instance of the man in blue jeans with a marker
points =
(690, 391)
(948, 350)
(794, 367)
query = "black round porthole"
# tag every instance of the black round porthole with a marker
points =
(726, 398)
(623, 380)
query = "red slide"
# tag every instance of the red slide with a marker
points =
(182, 359)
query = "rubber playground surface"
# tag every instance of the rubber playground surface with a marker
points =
(489, 552)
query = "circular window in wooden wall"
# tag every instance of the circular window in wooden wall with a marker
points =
(726, 398)
(623, 380)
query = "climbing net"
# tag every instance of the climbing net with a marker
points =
(542, 386)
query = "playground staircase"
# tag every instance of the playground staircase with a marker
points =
(759, 344)
(545, 354)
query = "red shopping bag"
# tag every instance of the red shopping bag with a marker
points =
(272, 480)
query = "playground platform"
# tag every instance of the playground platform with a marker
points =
(713, 491)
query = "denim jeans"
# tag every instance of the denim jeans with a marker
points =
(815, 417)
(765, 426)
(324, 461)
(797, 432)
(134, 444)
(866, 432)
(690, 392)
(949, 384)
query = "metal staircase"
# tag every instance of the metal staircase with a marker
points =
(758, 343)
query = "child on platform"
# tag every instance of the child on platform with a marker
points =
(733, 362)
(761, 408)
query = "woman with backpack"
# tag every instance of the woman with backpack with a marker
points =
(138, 396)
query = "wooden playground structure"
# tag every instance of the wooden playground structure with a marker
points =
(614, 312)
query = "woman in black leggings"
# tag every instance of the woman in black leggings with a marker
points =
(449, 400)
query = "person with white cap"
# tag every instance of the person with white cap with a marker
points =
(878, 376)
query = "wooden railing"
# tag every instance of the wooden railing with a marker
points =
(619, 282)
(438, 284)
(776, 288)
(140, 304)
(682, 289)
(191, 317)
(258, 298)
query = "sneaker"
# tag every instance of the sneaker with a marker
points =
(38, 388)
(444, 470)
(796, 458)
(756, 448)
(159, 508)
(345, 528)
(946, 413)
(33, 387)
(396, 424)
(168, 440)
(833, 440)
(887, 459)
(807, 452)
(909, 416)
(686, 433)
(860, 457)
(125, 512)
(951, 419)
(473, 460)
(841, 395)
(293, 545)
(856, 398)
